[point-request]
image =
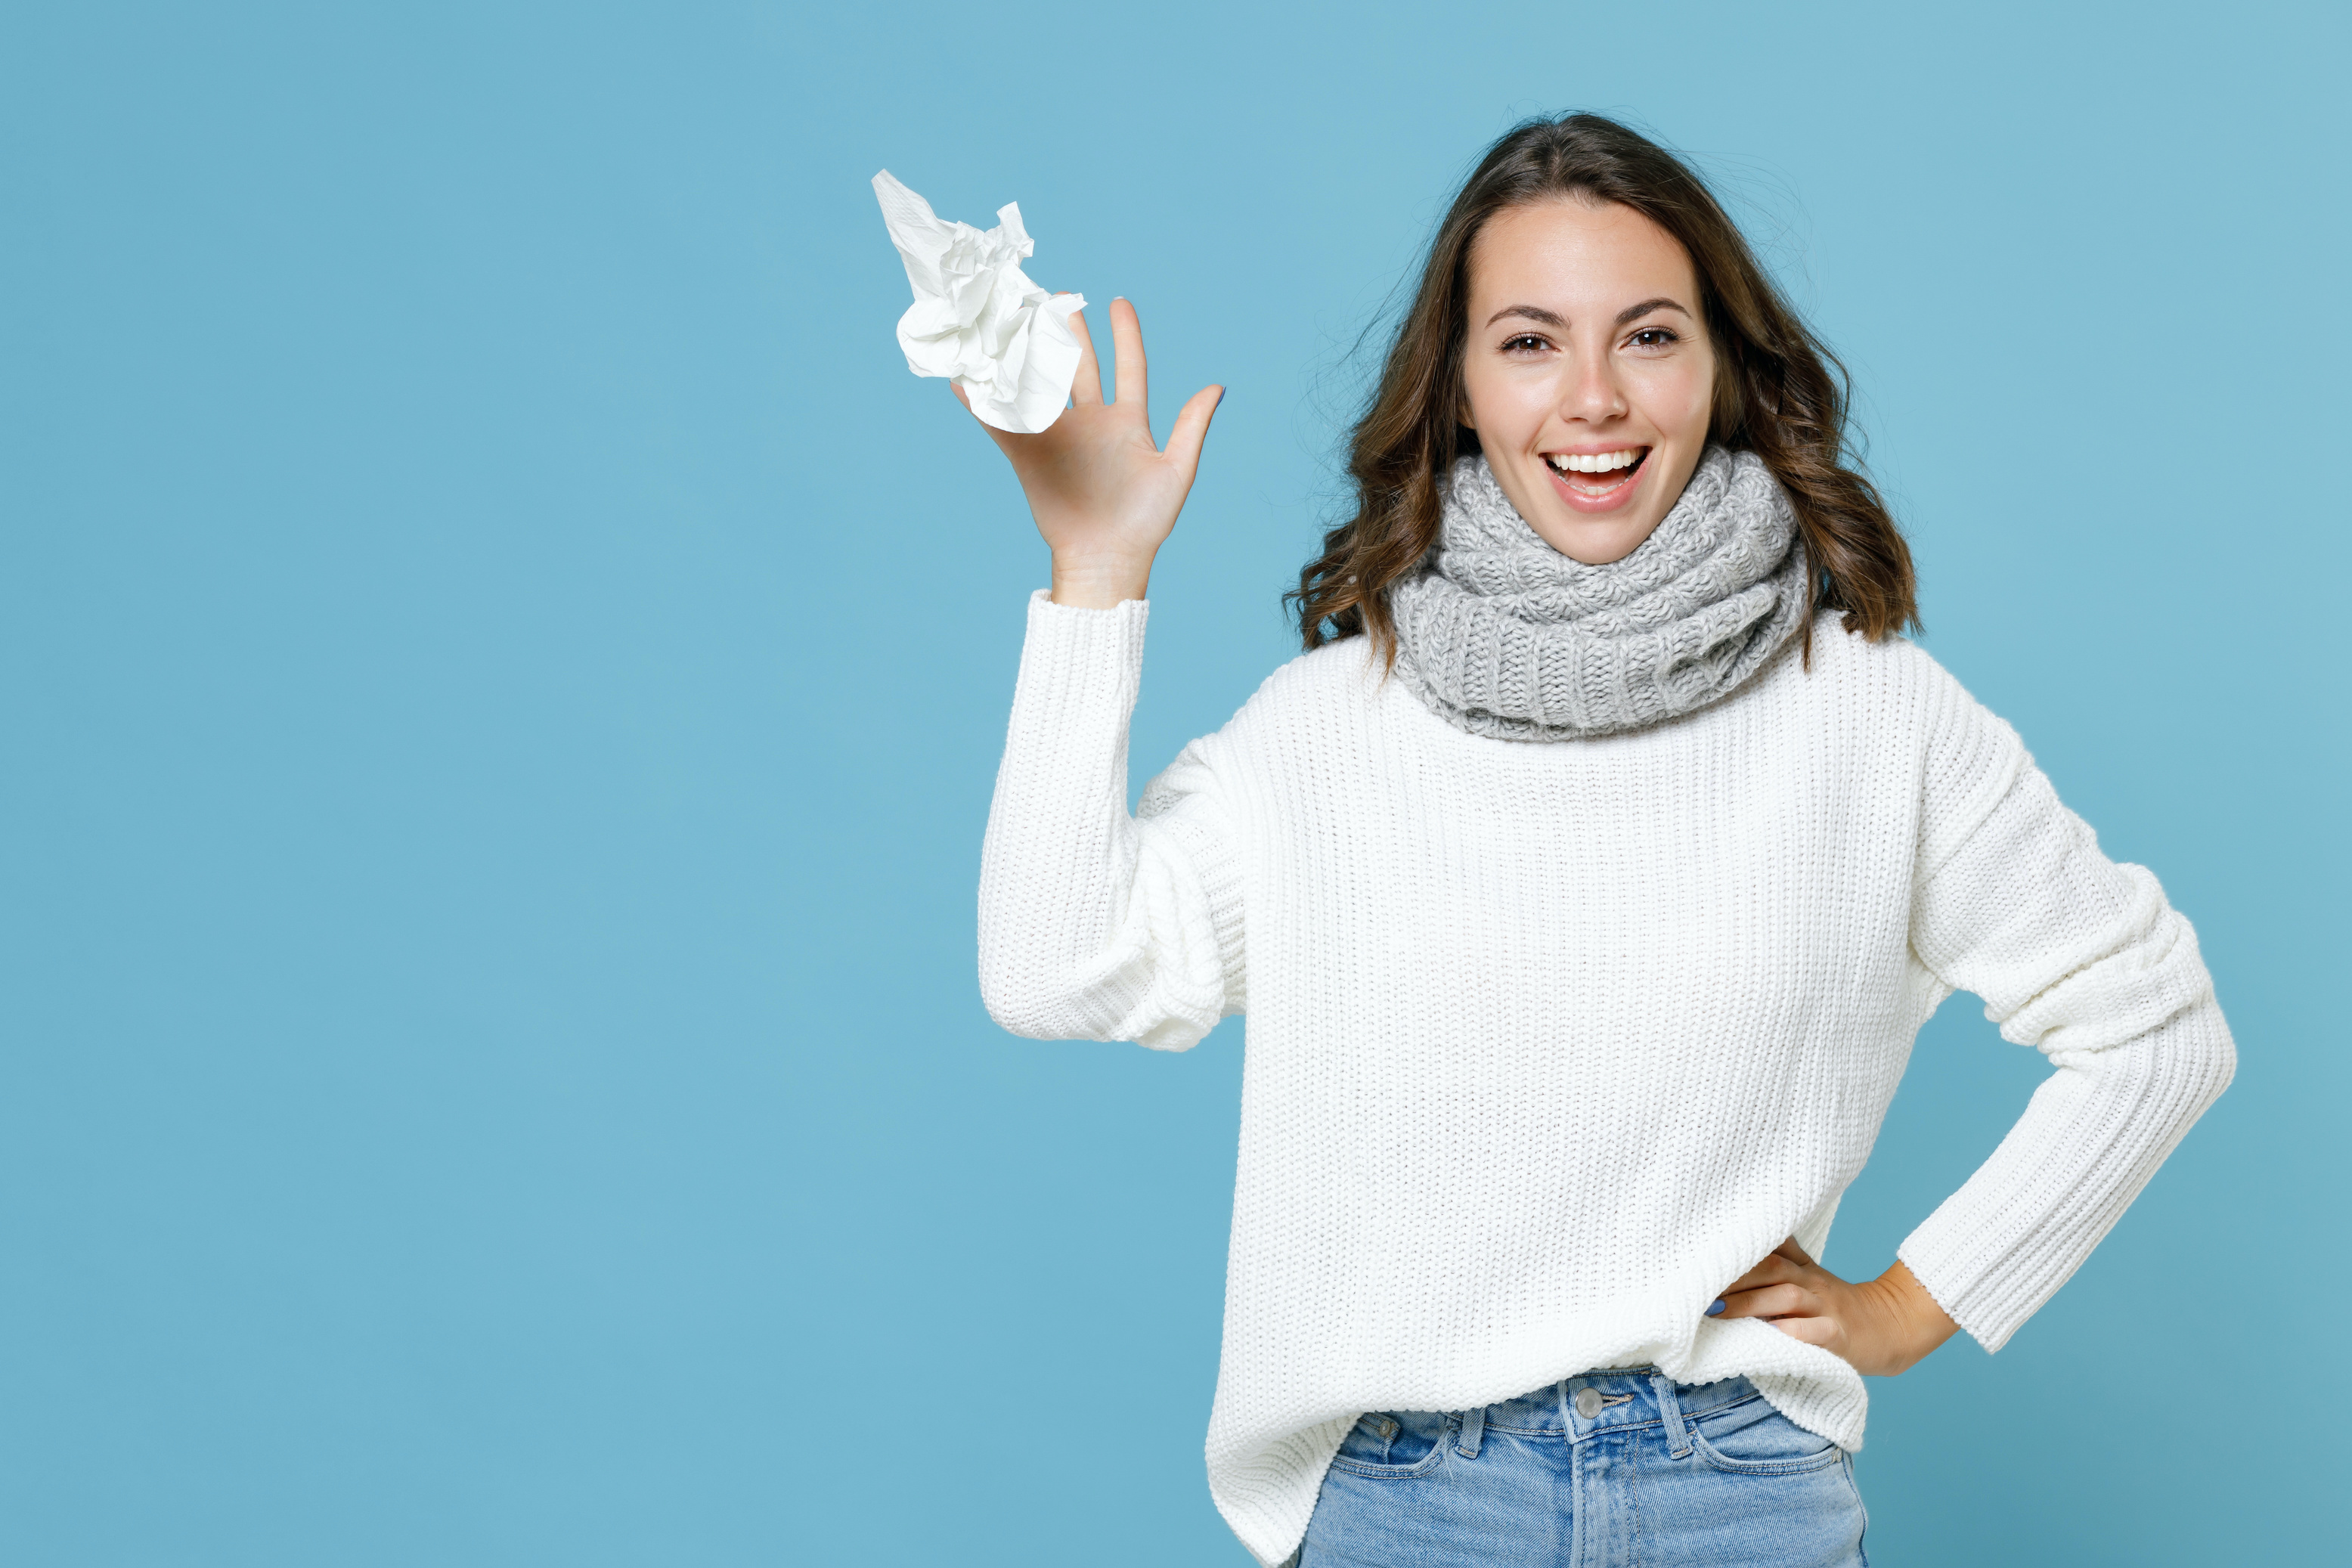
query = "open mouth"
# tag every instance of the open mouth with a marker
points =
(1595, 475)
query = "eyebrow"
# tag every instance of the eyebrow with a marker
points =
(1631, 313)
(1532, 312)
(1634, 313)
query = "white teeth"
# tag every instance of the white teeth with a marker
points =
(1594, 463)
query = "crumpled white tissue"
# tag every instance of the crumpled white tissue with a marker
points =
(977, 318)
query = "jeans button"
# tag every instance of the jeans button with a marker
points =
(1588, 1402)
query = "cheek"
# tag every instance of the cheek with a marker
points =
(1506, 407)
(1679, 397)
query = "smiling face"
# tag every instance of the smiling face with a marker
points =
(1587, 370)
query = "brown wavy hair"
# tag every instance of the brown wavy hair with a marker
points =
(1779, 393)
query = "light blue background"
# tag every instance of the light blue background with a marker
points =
(501, 671)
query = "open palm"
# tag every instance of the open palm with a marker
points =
(1103, 495)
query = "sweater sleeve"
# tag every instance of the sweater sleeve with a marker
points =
(2077, 957)
(1094, 924)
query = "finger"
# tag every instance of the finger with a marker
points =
(1126, 353)
(1790, 1249)
(1087, 387)
(1771, 1301)
(1773, 1271)
(1193, 428)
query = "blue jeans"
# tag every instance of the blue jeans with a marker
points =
(1605, 1470)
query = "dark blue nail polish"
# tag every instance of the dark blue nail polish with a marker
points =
(1716, 1310)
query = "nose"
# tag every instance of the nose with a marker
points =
(1588, 389)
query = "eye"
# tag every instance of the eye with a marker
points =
(1654, 338)
(1526, 342)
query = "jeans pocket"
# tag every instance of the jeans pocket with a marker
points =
(1751, 1438)
(1394, 1445)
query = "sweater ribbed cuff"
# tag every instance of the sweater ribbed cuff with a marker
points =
(1077, 662)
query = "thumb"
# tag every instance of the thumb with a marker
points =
(1192, 427)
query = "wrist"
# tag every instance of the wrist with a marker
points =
(1099, 583)
(1917, 1325)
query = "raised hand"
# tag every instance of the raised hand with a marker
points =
(1103, 496)
(1880, 1326)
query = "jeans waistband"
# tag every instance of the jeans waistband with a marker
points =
(1616, 1398)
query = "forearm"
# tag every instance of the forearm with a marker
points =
(1094, 925)
(1057, 855)
(2088, 1144)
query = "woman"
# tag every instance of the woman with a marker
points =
(1585, 884)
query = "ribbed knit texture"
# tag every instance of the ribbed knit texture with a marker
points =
(1503, 636)
(1549, 1043)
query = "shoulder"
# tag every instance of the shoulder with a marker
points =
(1303, 702)
(1962, 756)
(1894, 662)
(1347, 670)
(1312, 688)
(1892, 681)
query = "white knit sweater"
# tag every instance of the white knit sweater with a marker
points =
(1548, 1043)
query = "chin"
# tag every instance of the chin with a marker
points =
(1595, 541)
(1596, 548)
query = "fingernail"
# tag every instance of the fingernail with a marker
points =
(1716, 1310)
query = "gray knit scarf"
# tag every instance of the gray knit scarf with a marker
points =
(1503, 635)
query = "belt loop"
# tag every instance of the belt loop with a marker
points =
(1473, 1432)
(1670, 1410)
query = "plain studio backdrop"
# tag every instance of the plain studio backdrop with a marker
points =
(502, 669)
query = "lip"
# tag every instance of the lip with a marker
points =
(1613, 500)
